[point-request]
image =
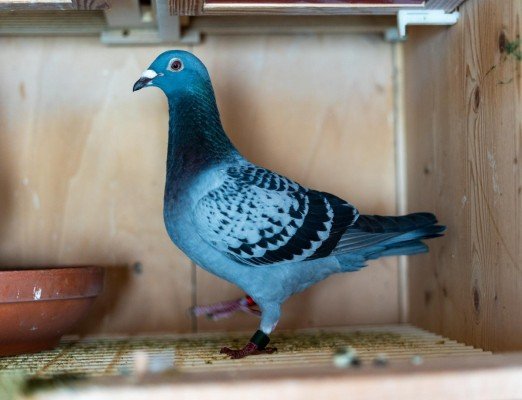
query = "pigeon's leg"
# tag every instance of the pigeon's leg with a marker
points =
(227, 308)
(257, 344)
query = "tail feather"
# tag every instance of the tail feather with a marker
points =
(374, 236)
(405, 248)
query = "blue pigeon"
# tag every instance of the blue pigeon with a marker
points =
(257, 229)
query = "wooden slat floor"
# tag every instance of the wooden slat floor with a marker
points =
(113, 356)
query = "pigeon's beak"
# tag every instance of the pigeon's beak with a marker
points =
(145, 79)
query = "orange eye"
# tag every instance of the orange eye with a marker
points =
(176, 65)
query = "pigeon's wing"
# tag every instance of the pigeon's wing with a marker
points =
(258, 217)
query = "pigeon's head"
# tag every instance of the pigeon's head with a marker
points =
(174, 72)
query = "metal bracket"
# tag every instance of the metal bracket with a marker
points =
(423, 17)
(130, 23)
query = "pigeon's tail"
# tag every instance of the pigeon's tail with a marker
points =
(373, 236)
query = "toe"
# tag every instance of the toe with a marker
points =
(233, 354)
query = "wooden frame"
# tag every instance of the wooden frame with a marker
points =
(8, 5)
(314, 7)
(446, 378)
(463, 118)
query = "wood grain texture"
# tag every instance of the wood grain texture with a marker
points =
(91, 4)
(10, 5)
(302, 9)
(319, 110)
(84, 23)
(186, 7)
(198, 7)
(373, 3)
(47, 22)
(256, 24)
(282, 7)
(82, 164)
(447, 5)
(464, 125)
(449, 378)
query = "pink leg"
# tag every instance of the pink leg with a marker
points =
(226, 309)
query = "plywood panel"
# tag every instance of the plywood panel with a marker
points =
(464, 121)
(447, 5)
(82, 164)
(295, 7)
(319, 110)
(82, 175)
(373, 3)
(302, 7)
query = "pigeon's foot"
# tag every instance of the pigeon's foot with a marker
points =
(226, 309)
(256, 345)
(249, 350)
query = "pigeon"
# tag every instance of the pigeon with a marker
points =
(250, 226)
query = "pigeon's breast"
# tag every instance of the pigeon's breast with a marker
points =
(181, 199)
(179, 222)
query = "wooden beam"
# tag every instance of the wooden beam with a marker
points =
(273, 24)
(446, 5)
(10, 5)
(186, 7)
(302, 9)
(52, 22)
(312, 7)
(449, 378)
(92, 23)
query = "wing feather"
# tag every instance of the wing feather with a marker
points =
(258, 217)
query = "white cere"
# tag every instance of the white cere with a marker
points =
(149, 74)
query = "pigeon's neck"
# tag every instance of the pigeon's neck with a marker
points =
(196, 137)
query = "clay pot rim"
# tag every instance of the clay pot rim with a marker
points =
(50, 283)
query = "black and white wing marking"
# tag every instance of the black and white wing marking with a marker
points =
(258, 217)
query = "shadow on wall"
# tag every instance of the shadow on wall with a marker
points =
(16, 254)
(117, 279)
(6, 186)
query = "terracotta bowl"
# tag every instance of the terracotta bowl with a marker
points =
(37, 306)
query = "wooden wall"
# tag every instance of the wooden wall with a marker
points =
(82, 165)
(464, 126)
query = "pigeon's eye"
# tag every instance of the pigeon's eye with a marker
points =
(175, 65)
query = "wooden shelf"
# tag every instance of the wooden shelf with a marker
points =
(113, 356)
(300, 7)
(448, 378)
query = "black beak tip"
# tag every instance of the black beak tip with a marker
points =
(140, 84)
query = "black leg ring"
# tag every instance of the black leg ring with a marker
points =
(260, 340)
